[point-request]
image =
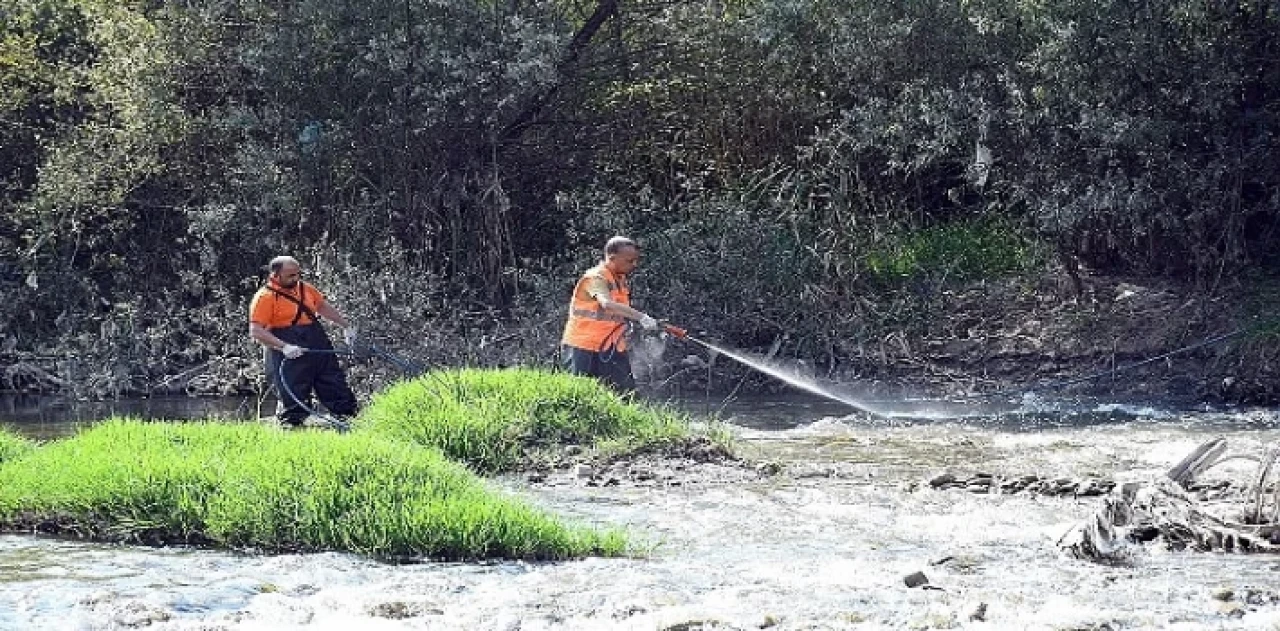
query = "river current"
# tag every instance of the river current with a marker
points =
(826, 544)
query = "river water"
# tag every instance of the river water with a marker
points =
(824, 545)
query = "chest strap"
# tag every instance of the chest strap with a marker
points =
(302, 306)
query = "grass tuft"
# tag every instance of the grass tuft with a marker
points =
(13, 445)
(249, 486)
(495, 420)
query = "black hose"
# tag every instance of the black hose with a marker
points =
(408, 367)
(610, 342)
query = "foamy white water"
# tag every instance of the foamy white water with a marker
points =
(796, 552)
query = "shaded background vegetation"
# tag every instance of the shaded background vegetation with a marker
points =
(444, 168)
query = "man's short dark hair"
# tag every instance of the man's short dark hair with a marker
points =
(616, 244)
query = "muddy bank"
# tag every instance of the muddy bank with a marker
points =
(1011, 335)
(1014, 336)
(1018, 336)
(693, 461)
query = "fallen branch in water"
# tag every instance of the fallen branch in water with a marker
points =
(1170, 509)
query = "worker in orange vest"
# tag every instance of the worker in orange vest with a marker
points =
(284, 317)
(595, 336)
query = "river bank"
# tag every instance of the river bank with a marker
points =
(1034, 336)
(1024, 334)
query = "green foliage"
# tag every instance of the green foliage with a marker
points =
(957, 251)
(473, 142)
(255, 487)
(44, 56)
(495, 420)
(374, 125)
(13, 445)
(728, 266)
(1155, 165)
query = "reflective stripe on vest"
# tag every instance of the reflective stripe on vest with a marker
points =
(589, 327)
(597, 314)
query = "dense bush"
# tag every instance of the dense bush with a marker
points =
(152, 155)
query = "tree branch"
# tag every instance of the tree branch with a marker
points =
(604, 10)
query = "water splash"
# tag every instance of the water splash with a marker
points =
(790, 376)
(901, 407)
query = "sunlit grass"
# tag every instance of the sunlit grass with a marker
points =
(248, 486)
(493, 420)
(13, 445)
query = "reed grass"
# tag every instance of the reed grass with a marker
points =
(495, 420)
(12, 445)
(248, 486)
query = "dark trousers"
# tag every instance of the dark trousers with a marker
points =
(312, 373)
(610, 366)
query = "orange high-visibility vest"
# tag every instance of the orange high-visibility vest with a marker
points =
(590, 327)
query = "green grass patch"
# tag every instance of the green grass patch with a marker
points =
(249, 486)
(959, 251)
(13, 445)
(495, 420)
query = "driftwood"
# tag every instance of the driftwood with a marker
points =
(1175, 510)
(27, 376)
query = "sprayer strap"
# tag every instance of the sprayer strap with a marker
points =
(302, 306)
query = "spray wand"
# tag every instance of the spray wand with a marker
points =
(682, 334)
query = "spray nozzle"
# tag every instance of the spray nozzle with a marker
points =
(675, 330)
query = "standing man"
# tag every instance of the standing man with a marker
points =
(284, 317)
(594, 338)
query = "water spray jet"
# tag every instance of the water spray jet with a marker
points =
(934, 409)
(810, 385)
